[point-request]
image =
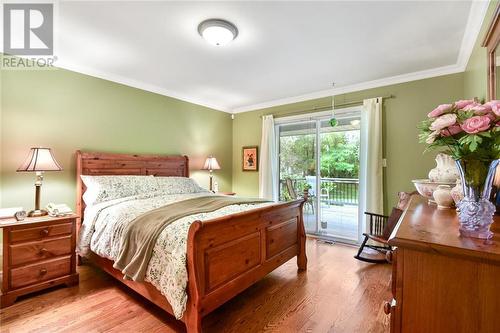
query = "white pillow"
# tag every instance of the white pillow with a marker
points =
(178, 185)
(105, 188)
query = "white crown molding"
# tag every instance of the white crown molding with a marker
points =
(355, 87)
(139, 85)
(474, 22)
(131, 83)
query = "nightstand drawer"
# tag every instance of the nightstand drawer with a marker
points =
(39, 252)
(29, 234)
(39, 272)
(24, 253)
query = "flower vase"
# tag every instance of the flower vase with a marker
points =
(475, 210)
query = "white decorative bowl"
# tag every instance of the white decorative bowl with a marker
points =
(426, 188)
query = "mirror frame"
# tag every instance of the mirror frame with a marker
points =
(491, 41)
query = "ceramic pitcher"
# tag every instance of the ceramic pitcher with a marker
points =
(445, 171)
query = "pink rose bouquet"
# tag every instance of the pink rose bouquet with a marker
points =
(470, 133)
(465, 129)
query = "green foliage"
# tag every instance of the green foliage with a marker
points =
(339, 155)
(425, 124)
(471, 141)
(464, 115)
(297, 156)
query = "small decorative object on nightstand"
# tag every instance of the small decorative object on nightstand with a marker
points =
(38, 253)
(210, 165)
(20, 215)
(39, 160)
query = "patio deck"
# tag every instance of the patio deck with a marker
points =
(342, 221)
(339, 205)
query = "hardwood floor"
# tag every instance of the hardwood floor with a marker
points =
(336, 294)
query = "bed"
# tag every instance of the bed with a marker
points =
(224, 255)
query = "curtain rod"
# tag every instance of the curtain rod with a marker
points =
(326, 108)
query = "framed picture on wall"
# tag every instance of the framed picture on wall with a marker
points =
(250, 158)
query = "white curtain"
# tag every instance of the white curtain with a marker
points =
(371, 159)
(268, 169)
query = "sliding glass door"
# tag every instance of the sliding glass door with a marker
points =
(324, 161)
(297, 165)
(339, 169)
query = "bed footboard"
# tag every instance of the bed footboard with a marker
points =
(228, 254)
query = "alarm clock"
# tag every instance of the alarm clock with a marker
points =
(20, 215)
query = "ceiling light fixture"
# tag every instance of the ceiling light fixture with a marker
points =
(217, 32)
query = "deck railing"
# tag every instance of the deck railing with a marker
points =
(333, 191)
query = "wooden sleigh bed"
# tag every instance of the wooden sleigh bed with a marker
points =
(225, 255)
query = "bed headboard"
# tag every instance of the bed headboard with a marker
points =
(94, 163)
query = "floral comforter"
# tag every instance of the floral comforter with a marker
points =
(104, 223)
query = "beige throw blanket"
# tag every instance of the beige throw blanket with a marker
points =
(139, 236)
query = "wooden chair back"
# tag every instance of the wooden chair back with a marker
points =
(377, 223)
(391, 223)
(291, 191)
(381, 226)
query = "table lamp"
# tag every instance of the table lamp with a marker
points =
(210, 165)
(39, 160)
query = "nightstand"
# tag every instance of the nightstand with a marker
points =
(38, 253)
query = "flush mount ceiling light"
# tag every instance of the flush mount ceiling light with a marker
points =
(217, 32)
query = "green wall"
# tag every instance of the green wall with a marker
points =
(476, 74)
(405, 158)
(67, 111)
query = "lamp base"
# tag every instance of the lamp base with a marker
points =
(37, 213)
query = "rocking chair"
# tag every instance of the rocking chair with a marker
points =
(381, 227)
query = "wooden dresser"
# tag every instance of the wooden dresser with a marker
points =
(38, 253)
(442, 282)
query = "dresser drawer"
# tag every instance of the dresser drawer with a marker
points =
(29, 234)
(39, 272)
(23, 253)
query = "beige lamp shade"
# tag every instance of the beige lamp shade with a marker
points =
(211, 164)
(40, 159)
